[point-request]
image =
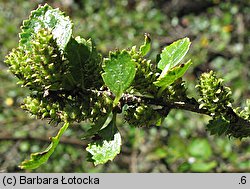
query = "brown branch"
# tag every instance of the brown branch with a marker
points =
(64, 140)
(192, 106)
(238, 127)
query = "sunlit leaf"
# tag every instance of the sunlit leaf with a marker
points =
(173, 54)
(106, 150)
(145, 48)
(51, 19)
(119, 73)
(172, 75)
(107, 147)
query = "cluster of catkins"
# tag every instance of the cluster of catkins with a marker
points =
(55, 93)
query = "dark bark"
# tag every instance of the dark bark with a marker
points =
(63, 140)
(182, 7)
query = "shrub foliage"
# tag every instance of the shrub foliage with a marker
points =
(70, 81)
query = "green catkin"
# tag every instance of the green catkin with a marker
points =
(215, 97)
(40, 67)
(142, 115)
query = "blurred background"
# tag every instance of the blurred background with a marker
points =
(220, 35)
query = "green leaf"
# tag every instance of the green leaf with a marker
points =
(51, 19)
(200, 166)
(99, 124)
(159, 153)
(145, 48)
(119, 73)
(106, 150)
(200, 148)
(39, 158)
(173, 54)
(107, 147)
(218, 126)
(84, 61)
(172, 75)
(176, 148)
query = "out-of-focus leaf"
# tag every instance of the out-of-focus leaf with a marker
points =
(176, 148)
(200, 166)
(184, 167)
(224, 147)
(159, 153)
(39, 158)
(200, 148)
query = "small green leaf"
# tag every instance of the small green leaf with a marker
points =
(173, 54)
(107, 147)
(145, 48)
(218, 126)
(200, 148)
(51, 19)
(172, 75)
(39, 158)
(119, 73)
